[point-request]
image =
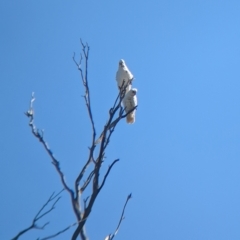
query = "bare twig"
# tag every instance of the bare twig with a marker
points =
(85, 202)
(30, 112)
(50, 199)
(84, 77)
(107, 173)
(39, 215)
(111, 236)
(60, 232)
(39, 135)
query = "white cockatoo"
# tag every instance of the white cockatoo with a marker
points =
(124, 75)
(129, 102)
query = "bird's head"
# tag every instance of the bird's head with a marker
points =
(133, 91)
(121, 63)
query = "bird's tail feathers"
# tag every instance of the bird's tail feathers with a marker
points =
(130, 118)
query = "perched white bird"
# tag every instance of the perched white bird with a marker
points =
(124, 75)
(129, 102)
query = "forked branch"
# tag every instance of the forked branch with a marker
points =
(40, 136)
(41, 214)
(84, 78)
(58, 233)
(116, 113)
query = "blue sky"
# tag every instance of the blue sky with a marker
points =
(180, 159)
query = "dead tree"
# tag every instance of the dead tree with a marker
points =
(82, 207)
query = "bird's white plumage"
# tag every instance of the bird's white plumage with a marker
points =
(124, 75)
(129, 102)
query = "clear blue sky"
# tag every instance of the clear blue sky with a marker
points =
(180, 160)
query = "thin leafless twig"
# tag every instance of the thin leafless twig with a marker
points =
(39, 215)
(39, 135)
(107, 173)
(84, 77)
(111, 236)
(60, 232)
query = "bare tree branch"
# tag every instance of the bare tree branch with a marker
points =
(85, 202)
(87, 182)
(55, 162)
(84, 77)
(91, 201)
(107, 173)
(116, 113)
(104, 140)
(39, 215)
(58, 233)
(111, 236)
